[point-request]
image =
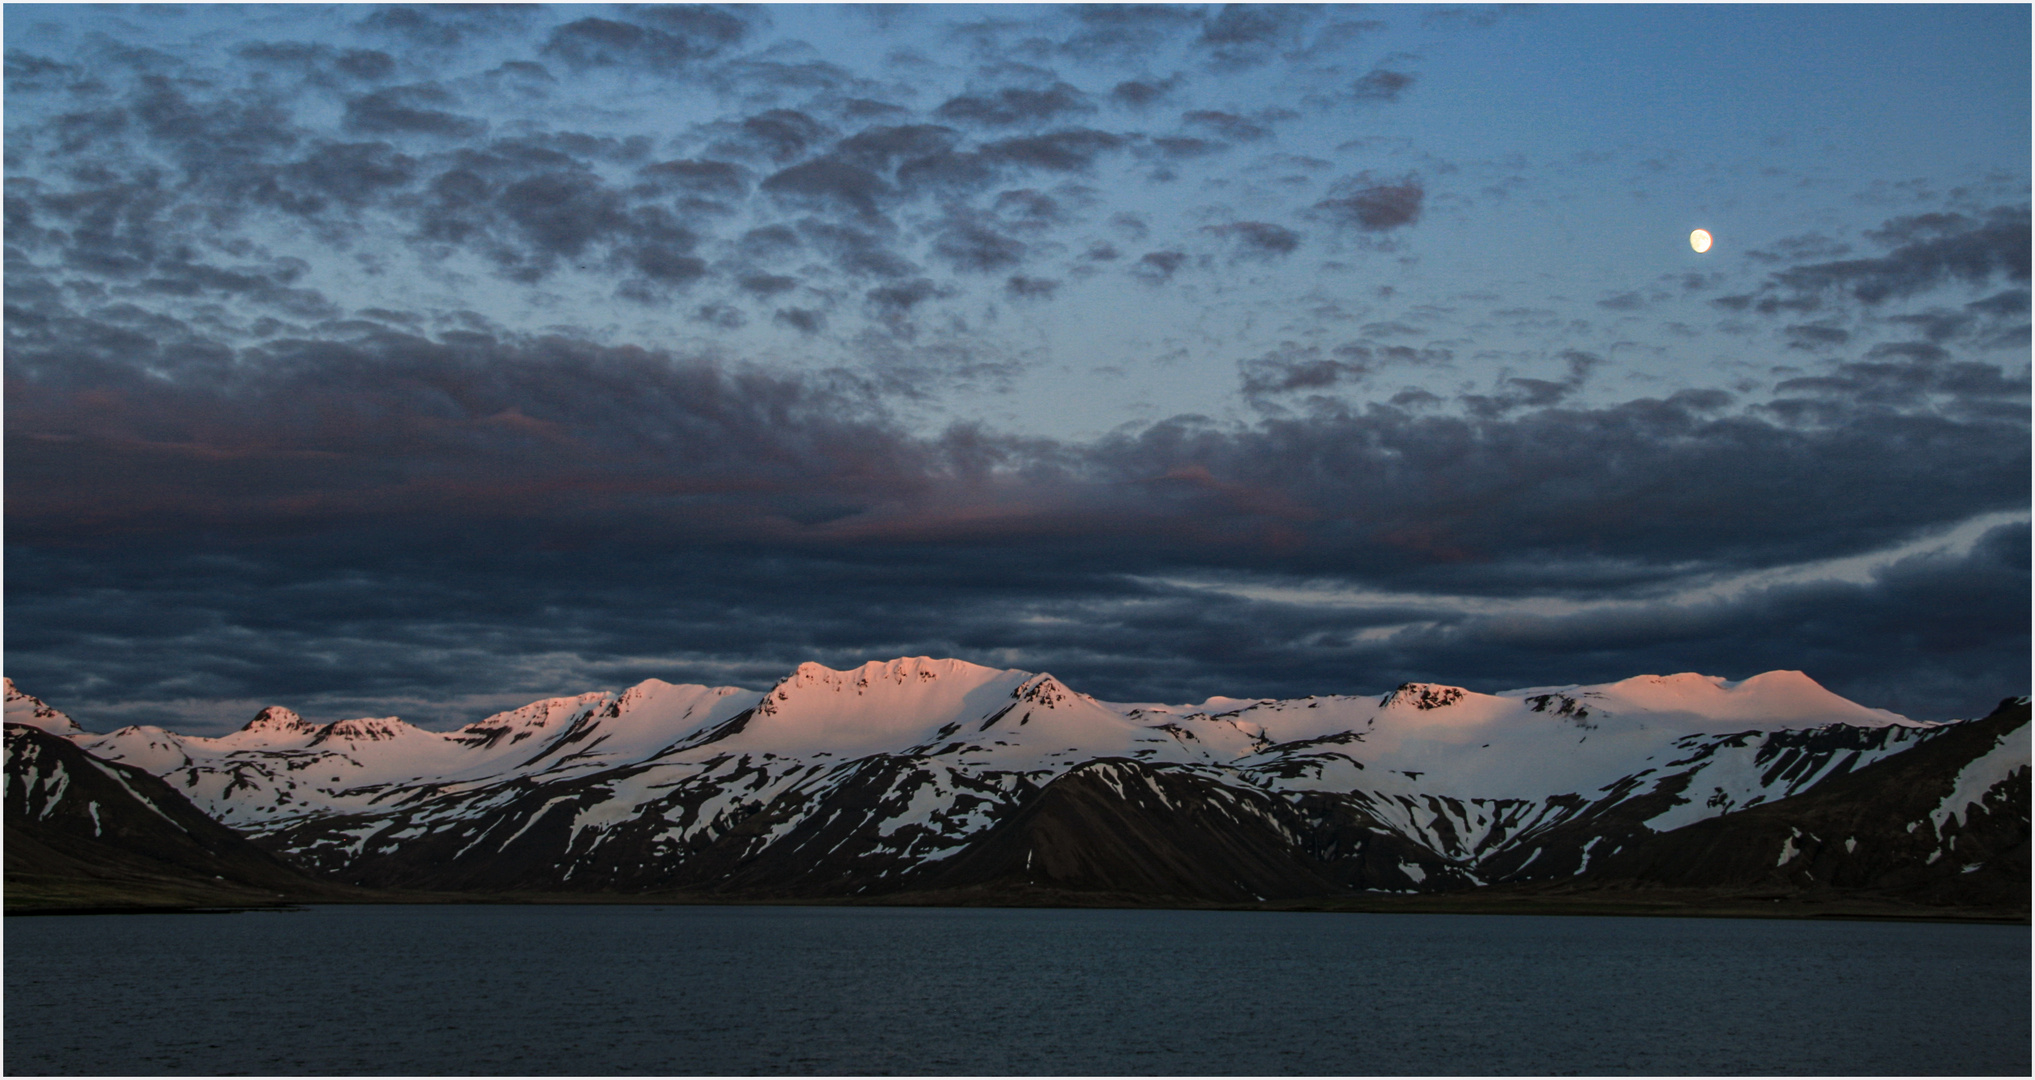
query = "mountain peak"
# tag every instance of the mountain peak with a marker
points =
(365, 729)
(1423, 696)
(278, 720)
(28, 709)
(540, 714)
(1783, 678)
(1784, 695)
(1044, 689)
(903, 671)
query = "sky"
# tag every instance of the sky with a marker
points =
(426, 361)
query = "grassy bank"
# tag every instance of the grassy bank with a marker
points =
(28, 895)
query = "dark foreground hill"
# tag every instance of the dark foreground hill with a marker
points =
(87, 833)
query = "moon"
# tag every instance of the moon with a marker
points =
(1700, 240)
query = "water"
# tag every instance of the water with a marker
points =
(728, 990)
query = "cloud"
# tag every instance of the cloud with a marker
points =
(1139, 93)
(523, 78)
(803, 320)
(1952, 610)
(1124, 31)
(780, 134)
(895, 301)
(1521, 393)
(883, 147)
(1228, 125)
(706, 25)
(666, 264)
(1155, 267)
(211, 139)
(1930, 250)
(403, 110)
(719, 178)
(968, 242)
(1030, 208)
(355, 174)
(962, 173)
(1179, 147)
(1374, 205)
(1013, 106)
(1031, 288)
(1257, 238)
(1816, 336)
(1059, 151)
(466, 171)
(1799, 248)
(318, 62)
(1291, 370)
(27, 73)
(1904, 377)
(828, 183)
(442, 26)
(1381, 84)
(2002, 304)
(390, 423)
(562, 213)
(721, 315)
(858, 252)
(816, 82)
(868, 109)
(766, 284)
(1248, 35)
(687, 35)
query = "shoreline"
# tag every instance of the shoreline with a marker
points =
(1649, 903)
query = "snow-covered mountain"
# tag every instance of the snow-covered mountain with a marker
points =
(910, 772)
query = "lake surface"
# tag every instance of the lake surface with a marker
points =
(729, 990)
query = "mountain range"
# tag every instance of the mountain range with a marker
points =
(925, 777)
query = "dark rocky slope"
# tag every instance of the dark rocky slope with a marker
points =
(1880, 833)
(1119, 826)
(1883, 830)
(83, 832)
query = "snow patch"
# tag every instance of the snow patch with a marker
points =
(2008, 755)
(532, 820)
(138, 796)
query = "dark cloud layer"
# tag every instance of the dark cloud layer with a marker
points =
(398, 498)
